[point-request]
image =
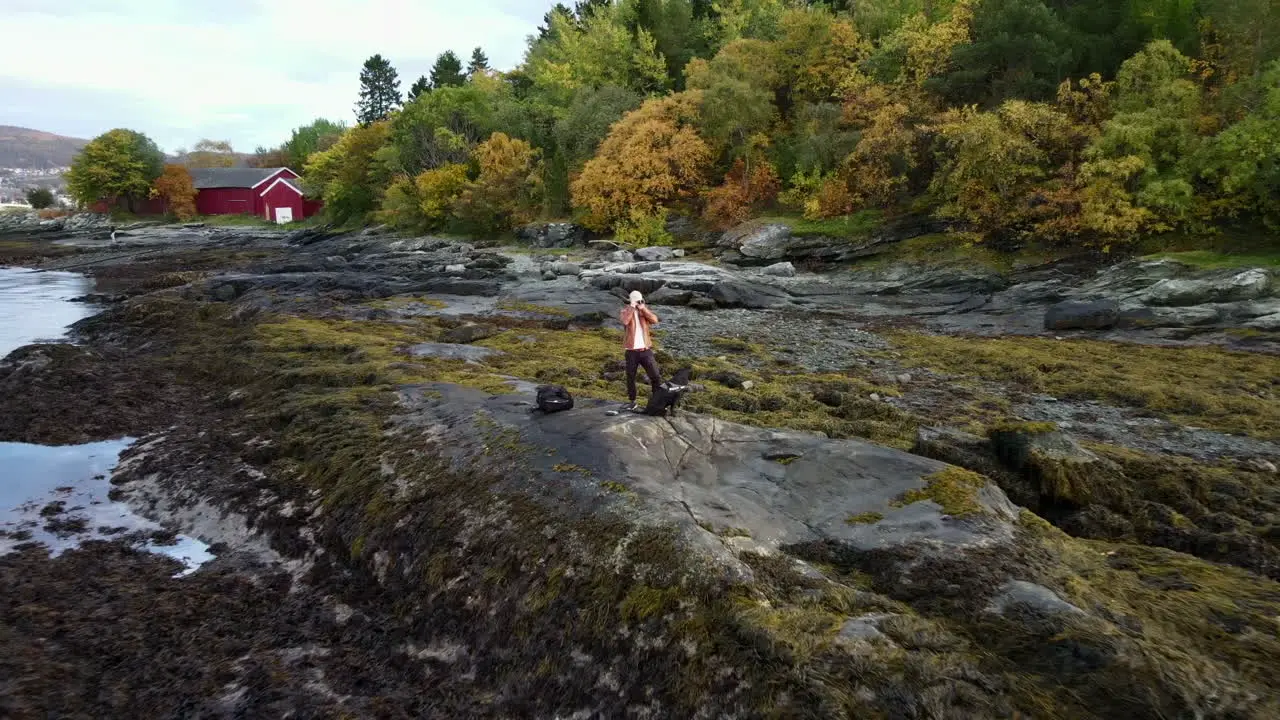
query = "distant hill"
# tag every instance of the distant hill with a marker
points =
(34, 149)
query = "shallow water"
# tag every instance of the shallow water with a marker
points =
(57, 496)
(36, 306)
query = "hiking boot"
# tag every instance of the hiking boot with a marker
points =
(632, 407)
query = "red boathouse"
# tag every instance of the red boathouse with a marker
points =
(270, 193)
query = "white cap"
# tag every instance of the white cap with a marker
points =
(636, 296)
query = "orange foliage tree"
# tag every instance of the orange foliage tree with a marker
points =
(178, 191)
(652, 157)
(743, 194)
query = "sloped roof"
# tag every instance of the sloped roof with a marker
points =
(230, 177)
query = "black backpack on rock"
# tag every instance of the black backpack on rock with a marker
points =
(554, 398)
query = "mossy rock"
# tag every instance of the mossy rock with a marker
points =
(1059, 468)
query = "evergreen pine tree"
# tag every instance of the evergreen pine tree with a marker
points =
(447, 71)
(379, 90)
(420, 86)
(478, 62)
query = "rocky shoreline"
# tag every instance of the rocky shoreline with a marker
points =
(346, 419)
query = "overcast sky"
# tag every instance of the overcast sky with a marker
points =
(247, 71)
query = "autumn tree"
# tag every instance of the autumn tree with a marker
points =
(177, 190)
(883, 165)
(746, 191)
(210, 154)
(652, 158)
(995, 163)
(447, 71)
(920, 49)
(507, 190)
(347, 176)
(379, 90)
(119, 163)
(817, 52)
(39, 198)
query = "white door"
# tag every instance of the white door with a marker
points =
(284, 215)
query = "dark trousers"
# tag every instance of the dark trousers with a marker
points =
(641, 359)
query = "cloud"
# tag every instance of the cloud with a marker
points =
(242, 70)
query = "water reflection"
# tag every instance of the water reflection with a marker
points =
(57, 496)
(35, 306)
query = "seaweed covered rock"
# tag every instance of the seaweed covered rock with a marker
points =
(1060, 469)
(775, 487)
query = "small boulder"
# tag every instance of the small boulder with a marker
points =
(453, 351)
(864, 628)
(1030, 596)
(468, 333)
(829, 397)
(565, 268)
(551, 234)
(1266, 322)
(678, 252)
(762, 241)
(1077, 315)
(1246, 285)
(702, 302)
(621, 256)
(656, 253)
(1167, 317)
(669, 296)
(734, 294)
(456, 269)
(727, 378)
(782, 269)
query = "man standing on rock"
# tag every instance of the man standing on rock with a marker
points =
(636, 320)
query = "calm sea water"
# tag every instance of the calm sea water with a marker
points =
(36, 306)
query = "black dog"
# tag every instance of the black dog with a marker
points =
(668, 394)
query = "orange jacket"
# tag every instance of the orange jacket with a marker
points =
(628, 316)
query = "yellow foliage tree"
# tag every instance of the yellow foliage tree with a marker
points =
(508, 189)
(817, 52)
(928, 46)
(878, 171)
(178, 191)
(652, 157)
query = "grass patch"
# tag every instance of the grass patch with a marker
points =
(866, 518)
(1234, 392)
(1214, 260)
(399, 302)
(532, 308)
(855, 226)
(955, 489)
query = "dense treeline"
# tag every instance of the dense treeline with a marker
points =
(1090, 121)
